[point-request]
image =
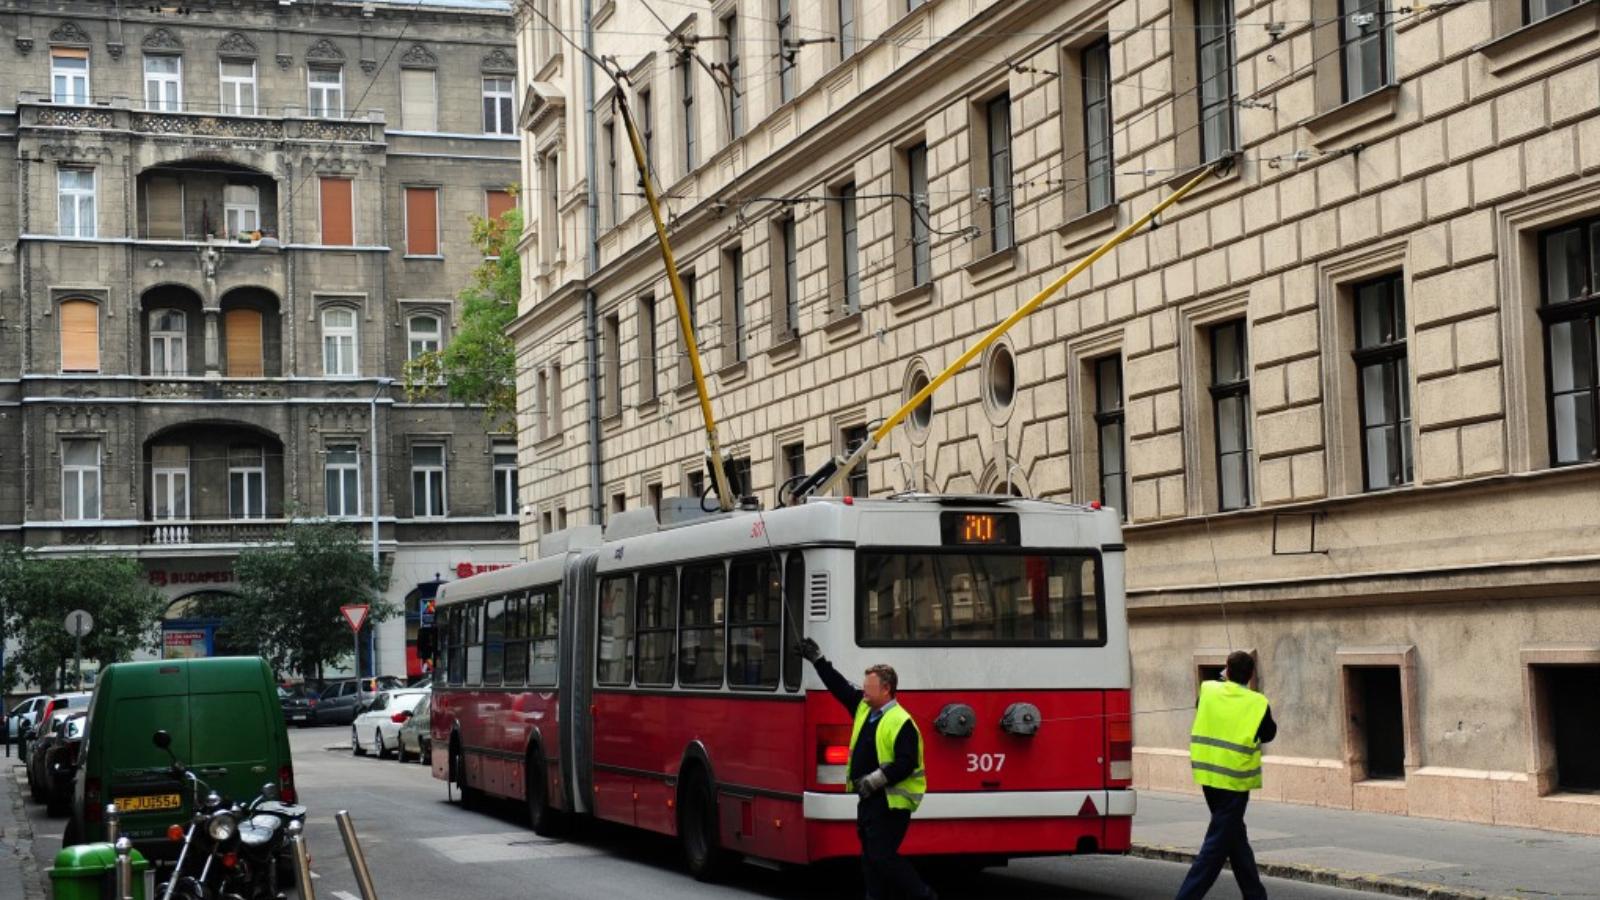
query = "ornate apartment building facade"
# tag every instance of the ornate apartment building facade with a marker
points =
(1345, 393)
(231, 224)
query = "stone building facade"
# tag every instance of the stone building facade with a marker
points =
(1344, 393)
(231, 224)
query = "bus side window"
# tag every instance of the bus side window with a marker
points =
(657, 626)
(794, 589)
(702, 610)
(542, 608)
(474, 641)
(614, 660)
(755, 620)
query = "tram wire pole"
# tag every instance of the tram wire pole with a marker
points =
(833, 473)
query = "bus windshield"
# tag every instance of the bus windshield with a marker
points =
(939, 597)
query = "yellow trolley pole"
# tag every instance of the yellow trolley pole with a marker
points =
(719, 475)
(843, 468)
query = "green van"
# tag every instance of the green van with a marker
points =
(226, 727)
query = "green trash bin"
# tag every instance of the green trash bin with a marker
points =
(89, 872)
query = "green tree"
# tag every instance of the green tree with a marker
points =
(478, 365)
(39, 591)
(291, 588)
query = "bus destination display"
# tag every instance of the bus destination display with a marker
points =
(992, 528)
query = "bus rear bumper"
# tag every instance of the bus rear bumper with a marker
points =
(1020, 823)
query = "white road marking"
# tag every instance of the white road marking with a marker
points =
(507, 847)
(345, 895)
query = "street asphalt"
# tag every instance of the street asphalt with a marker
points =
(420, 846)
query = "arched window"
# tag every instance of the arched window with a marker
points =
(80, 336)
(338, 341)
(168, 342)
(423, 333)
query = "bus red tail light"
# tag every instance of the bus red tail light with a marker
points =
(286, 791)
(833, 753)
(1119, 751)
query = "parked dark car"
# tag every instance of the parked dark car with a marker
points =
(60, 763)
(40, 748)
(343, 700)
(299, 704)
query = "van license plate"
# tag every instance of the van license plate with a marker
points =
(149, 803)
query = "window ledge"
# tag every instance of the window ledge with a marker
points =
(843, 326)
(1231, 176)
(788, 347)
(553, 442)
(1536, 42)
(733, 372)
(646, 408)
(912, 297)
(1090, 224)
(423, 256)
(685, 390)
(994, 264)
(1347, 119)
(611, 422)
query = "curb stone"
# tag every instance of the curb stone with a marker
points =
(20, 844)
(1377, 884)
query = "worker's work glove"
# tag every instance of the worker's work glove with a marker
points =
(872, 784)
(810, 650)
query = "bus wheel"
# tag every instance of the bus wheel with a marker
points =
(697, 828)
(458, 774)
(546, 822)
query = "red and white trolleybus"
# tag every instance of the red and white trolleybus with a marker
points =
(653, 677)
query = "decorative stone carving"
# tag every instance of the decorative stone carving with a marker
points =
(70, 32)
(236, 44)
(161, 39)
(499, 62)
(419, 57)
(24, 45)
(70, 117)
(209, 125)
(325, 50)
(115, 48)
(285, 61)
(328, 130)
(369, 65)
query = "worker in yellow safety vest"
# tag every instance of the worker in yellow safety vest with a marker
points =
(886, 772)
(1231, 723)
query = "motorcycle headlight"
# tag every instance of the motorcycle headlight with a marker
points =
(221, 828)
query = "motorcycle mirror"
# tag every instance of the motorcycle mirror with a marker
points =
(162, 739)
(270, 790)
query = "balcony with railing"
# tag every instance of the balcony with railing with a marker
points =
(38, 109)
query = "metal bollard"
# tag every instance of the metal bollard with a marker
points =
(113, 831)
(124, 869)
(358, 860)
(302, 862)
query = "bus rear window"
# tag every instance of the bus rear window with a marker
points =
(978, 598)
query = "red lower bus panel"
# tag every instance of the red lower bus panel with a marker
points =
(999, 837)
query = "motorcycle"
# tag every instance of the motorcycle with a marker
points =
(240, 850)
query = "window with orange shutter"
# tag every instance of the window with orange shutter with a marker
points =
(498, 203)
(422, 221)
(337, 212)
(243, 331)
(80, 336)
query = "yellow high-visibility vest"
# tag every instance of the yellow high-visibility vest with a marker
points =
(1223, 750)
(906, 794)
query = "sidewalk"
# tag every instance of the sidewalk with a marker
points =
(1398, 855)
(20, 878)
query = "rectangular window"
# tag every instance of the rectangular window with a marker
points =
(1383, 386)
(498, 102)
(497, 203)
(544, 628)
(422, 335)
(1570, 312)
(786, 52)
(69, 75)
(169, 340)
(786, 286)
(657, 626)
(75, 202)
(688, 280)
(1544, 9)
(740, 482)
(647, 127)
(647, 349)
(1365, 32)
(243, 342)
(427, 481)
(703, 614)
(794, 590)
(735, 312)
(978, 598)
(342, 480)
(169, 482)
(325, 92)
(544, 402)
(561, 518)
(695, 484)
(1378, 718)
(163, 208)
(614, 658)
(652, 497)
(1571, 696)
(1108, 420)
(619, 503)
(686, 97)
(1214, 35)
(549, 227)
(163, 83)
(494, 641)
(852, 438)
(730, 32)
(613, 189)
(921, 244)
(80, 335)
(847, 28)
(515, 670)
(247, 482)
(419, 100)
(850, 249)
(1098, 161)
(339, 341)
(422, 221)
(997, 116)
(794, 469)
(239, 87)
(557, 406)
(505, 479)
(80, 480)
(241, 209)
(338, 211)
(611, 364)
(1230, 403)
(472, 670)
(755, 623)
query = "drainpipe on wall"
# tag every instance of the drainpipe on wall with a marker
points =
(590, 327)
(377, 565)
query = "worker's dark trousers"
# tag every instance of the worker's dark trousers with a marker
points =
(886, 872)
(1226, 839)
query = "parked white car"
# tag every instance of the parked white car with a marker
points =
(378, 729)
(25, 714)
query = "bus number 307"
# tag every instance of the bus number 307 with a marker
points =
(985, 762)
